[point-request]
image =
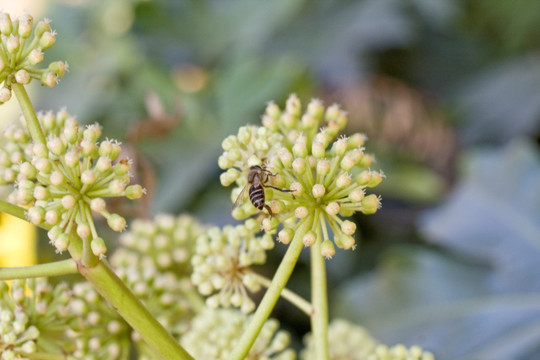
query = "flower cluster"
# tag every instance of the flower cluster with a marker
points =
(400, 352)
(101, 332)
(67, 178)
(352, 342)
(168, 240)
(170, 299)
(346, 341)
(34, 318)
(324, 177)
(214, 333)
(222, 263)
(23, 43)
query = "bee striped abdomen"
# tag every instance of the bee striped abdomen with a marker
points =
(256, 195)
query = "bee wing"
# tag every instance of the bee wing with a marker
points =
(241, 196)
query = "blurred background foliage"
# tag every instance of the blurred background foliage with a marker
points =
(448, 92)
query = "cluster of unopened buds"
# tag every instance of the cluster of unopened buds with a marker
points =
(222, 264)
(312, 179)
(23, 43)
(64, 180)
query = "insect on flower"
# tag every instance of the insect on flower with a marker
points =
(257, 179)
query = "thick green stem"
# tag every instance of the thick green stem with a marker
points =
(319, 300)
(271, 296)
(44, 356)
(130, 308)
(14, 210)
(29, 114)
(288, 295)
(57, 268)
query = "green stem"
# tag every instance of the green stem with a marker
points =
(288, 295)
(319, 299)
(14, 210)
(117, 294)
(44, 356)
(271, 296)
(57, 268)
(29, 114)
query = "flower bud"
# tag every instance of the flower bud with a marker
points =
(83, 230)
(58, 67)
(296, 188)
(62, 242)
(230, 176)
(52, 217)
(116, 222)
(49, 79)
(370, 204)
(357, 195)
(97, 205)
(134, 192)
(22, 77)
(285, 235)
(68, 202)
(299, 166)
(56, 178)
(301, 212)
(332, 208)
(35, 56)
(36, 214)
(348, 227)
(12, 44)
(309, 238)
(47, 40)
(98, 246)
(244, 135)
(343, 180)
(6, 26)
(41, 193)
(5, 94)
(318, 191)
(341, 146)
(26, 23)
(328, 249)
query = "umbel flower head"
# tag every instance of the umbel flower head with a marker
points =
(163, 293)
(34, 318)
(63, 181)
(101, 332)
(23, 43)
(348, 341)
(169, 241)
(325, 176)
(214, 333)
(222, 264)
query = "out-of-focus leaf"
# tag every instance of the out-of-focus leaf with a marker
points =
(421, 297)
(412, 182)
(494, 215)
(502, 102)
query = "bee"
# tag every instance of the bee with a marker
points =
(257, 179)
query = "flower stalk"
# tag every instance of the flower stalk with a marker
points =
(134, 312)
(319, 298)
(29, 114)
(271, 296)
(292, 297)
(57, 268)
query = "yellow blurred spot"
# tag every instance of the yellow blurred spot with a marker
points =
(17, 242)
(190, 78)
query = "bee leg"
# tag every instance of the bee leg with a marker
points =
(269, 210)
(282, 190)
